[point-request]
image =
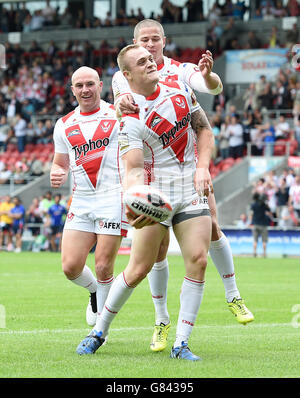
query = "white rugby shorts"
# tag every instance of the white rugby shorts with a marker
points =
(196, 206)
(100, 226)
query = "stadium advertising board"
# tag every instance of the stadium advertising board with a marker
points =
(246, 66)
(281, 242)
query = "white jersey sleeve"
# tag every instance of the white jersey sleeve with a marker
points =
(131, 132)
(192, 76)
(60, 145)
(120, 85)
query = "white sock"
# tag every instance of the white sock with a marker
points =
(190, 300)
(118, 294)
(158, 282)
(221, 255)
(86, 279)
(103, 288)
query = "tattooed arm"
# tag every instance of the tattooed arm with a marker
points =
(205, 146)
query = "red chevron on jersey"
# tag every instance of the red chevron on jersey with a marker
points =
(89, 154)
(171, 135)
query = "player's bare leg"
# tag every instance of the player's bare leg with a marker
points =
(144, 251)
(158, 282)
(221, 255)
(75, 248)
(193, 236)
(105, 256)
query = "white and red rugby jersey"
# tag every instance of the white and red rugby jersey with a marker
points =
(162, 129)
(169, 71)
(91, 141)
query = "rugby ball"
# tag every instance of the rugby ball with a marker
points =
(148, 201)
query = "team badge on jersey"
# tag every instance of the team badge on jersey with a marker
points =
(180, 102)
(73, 132)
(155, 121)
(106, 126)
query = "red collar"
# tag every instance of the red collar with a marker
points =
(153, 96)
(90, 113)
(160, 66)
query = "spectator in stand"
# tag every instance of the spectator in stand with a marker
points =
(279, 10)
(288, 217)
(260, 218)
(296, 101)
(56, 212)
(267, 134)
(13, 107)
(230, 33)
(265, 99)
(270, 192)
(239, 9)
(33, 216)
(47, 135)
(291, 36)
(282, 196)
(268, 11)
(37, 21)
(297, 131)
(112, 69)
(49, 14)
(36, 167)
(293, 8)
(17, 213)
(167, 12)
(253, 42)
(52, 51)
(4, 133)
(243, 221)
(19, 128)
(35, 47)
(194, 10)
(235, 133)
(274, 39)
(250, 98)
(19, 176)
(224, 139)
(57, 91)
(5, 175)
(6, 223)
(282, 128)
(170, 48)
(294, 195)
(214, 13)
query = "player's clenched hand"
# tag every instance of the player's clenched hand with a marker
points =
(206, 63)
(127, 105)
(57, 178)
(138, 222)
(202, 181)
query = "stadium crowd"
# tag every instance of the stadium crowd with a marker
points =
(281, 193)
(22, 20)
(41, 223)
(35, 88)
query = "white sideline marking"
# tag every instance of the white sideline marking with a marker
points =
(58, 331)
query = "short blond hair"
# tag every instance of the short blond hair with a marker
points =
(147, 23)
(121, 61)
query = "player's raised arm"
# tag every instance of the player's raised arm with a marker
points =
(211, 79)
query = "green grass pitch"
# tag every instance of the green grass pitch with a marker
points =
(43, 320)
